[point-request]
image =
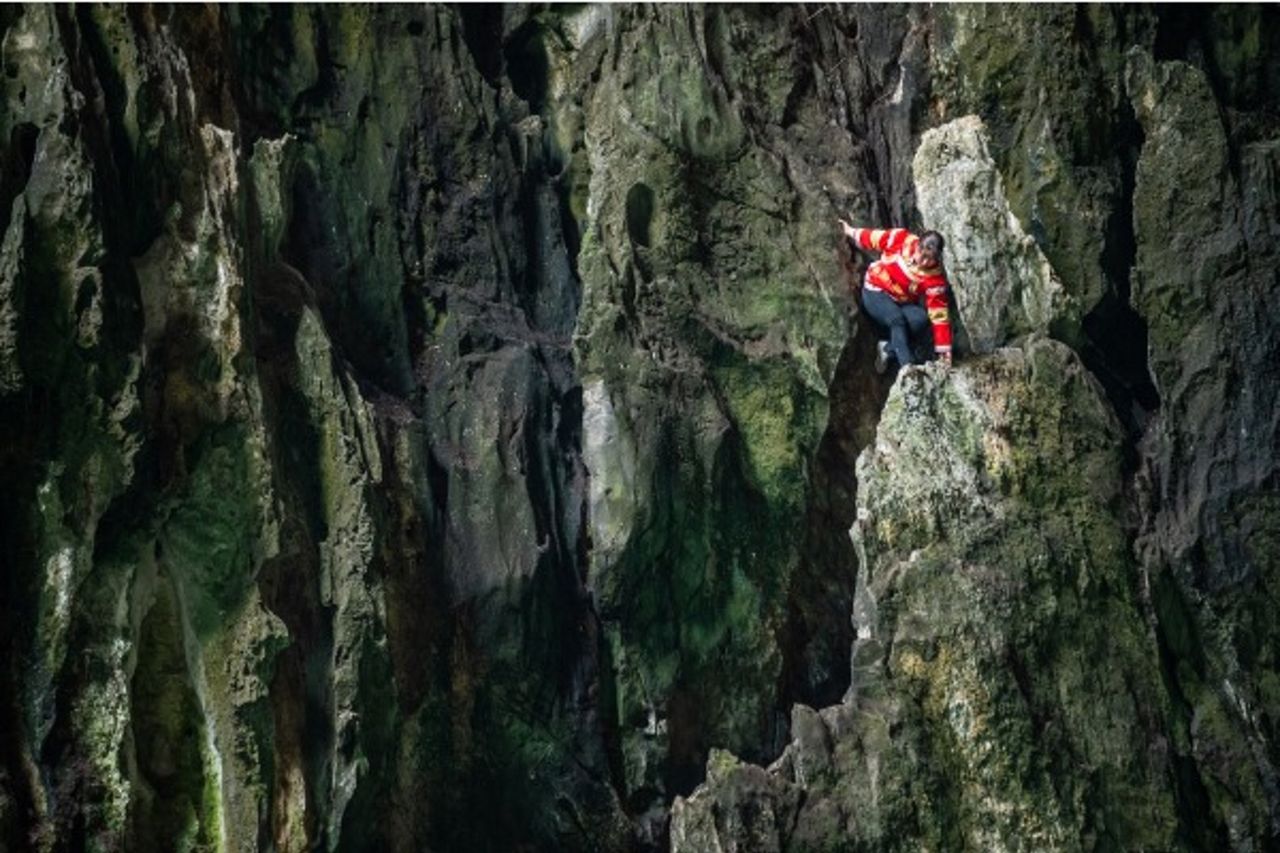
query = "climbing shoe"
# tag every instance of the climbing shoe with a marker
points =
(882, 356)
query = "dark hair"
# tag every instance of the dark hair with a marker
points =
(933, 241)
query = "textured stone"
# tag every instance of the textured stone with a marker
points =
(708, 335)
(1003, 283)
(434, 428)
(1002, 656)
(1048, 84)
(1170, 703)
(1204, 278)
(742, 809)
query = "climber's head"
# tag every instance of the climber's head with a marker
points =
(931, 244)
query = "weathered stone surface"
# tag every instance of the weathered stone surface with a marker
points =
(708, 336)
(1048, 83)
(433, 428)
(743, 808)
(1003, 284)
(1005, 693)
(1205, 279)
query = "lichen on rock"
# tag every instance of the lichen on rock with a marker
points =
(1003, 283)
(437, 428)
(1002, 656)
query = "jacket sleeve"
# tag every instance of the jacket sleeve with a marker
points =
(880, 239)
(935, 303)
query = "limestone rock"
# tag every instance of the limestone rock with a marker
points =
(1003, 284)
(1048, 84)
(1002, 655)
(435, 428)
(743, 808)
(1204, 278)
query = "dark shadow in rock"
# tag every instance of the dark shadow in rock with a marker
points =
(289, 582)
(818, 635)
(1115, 346)
(1180, 648)
(527, 66)
(640, 214)
(482, 32)
(15, 168)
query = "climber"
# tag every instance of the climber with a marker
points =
(910, 267)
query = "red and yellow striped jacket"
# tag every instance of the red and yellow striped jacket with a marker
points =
(899, 274)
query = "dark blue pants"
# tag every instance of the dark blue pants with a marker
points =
(902, 322)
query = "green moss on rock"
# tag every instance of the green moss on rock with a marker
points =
(1001, 645)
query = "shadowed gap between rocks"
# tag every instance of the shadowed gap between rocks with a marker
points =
(482, 32)
(1115, 345)
(526, 61)
(15, 168)
(18, 585)
(817, 636)
(287, 582)
(1178, 643)
(1115, 349)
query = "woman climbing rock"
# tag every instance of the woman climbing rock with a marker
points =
(908, 271)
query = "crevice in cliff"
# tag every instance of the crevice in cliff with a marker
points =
(551, 435)
(18, 585)
(895, 88)
(549, 173)
(288, 582)
(482, 25)
(123, 168)
(172, 788)
(1115, 345)
(1180, 650)
(526, 60)
(1179, 30)
(817, 636)
(15, 168)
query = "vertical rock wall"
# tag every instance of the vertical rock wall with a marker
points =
(1111, 186)
(435, 428)
(390, 463)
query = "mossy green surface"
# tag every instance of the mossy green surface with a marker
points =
(210, 535)
(411, 419)
(714, 342)
(178, 802)
(1005, 690)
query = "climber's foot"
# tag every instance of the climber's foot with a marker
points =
(882, 356)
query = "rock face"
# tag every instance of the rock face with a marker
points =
(1209, 533)
(435, 429)
(1006, 692)
(1003, 284)
(991, 527)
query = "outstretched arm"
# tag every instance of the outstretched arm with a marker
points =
(876, 239)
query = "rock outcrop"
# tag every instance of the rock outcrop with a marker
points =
(1205, 218)
(1006, 688)
(1003, 284)
(1152, 727)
